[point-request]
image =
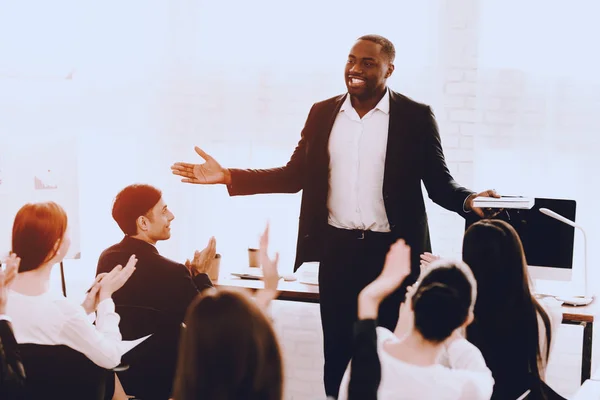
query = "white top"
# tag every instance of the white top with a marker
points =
(357, 150)
(466, 378)
(554, 311)
(51, 319)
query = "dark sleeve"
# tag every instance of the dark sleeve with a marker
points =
(286, 179)
(441, 186)
(183, 289)
(12, 374)
(202, 281)
(365, 368)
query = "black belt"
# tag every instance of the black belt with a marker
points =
(357, 234)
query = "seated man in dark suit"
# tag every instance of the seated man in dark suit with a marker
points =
(156, 298)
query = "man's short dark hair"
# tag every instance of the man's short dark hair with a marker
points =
(387, 47)
(133, 202)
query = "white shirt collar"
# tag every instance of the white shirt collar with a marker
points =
(383, 105)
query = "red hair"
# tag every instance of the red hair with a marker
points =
(37, 233)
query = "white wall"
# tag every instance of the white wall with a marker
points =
(144, 96)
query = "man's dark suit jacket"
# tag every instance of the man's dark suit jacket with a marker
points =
(153, 300)
(414, 154)
(157, 282)
(12, 375)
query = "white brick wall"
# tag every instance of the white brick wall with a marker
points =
(464, 114)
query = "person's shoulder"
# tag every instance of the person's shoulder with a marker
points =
(169, 266)
(115, 248)
(384, 334)
(109, 258)
(408, 101)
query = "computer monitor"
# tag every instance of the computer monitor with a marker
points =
(548, 243)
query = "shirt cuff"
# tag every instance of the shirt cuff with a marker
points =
(106, 306)
(5, 318)
(465, 202)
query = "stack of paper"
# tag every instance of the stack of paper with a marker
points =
(308, 273)
(518, 202)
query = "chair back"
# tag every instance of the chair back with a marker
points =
(60, 372)
(153, 362)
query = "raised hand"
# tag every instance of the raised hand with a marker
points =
(270, 272)
(202, 260)
(269, 266)
(7, 276)
(116, 278)
(395, 270)
(208, 173)
(427, 258)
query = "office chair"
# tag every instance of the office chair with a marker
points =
(60, 372)
(153, 362)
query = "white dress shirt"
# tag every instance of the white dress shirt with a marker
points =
(465, 378)
(51, 319)
(357, 149)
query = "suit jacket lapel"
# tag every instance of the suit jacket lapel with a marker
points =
(324, 133)
(319, 160)
(397, 145)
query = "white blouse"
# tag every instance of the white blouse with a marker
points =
(466, 378)
(52, 319)
(554, 310)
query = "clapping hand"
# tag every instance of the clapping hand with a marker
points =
(115, 279)
(90, 303)
(7, 277)
(202, 260)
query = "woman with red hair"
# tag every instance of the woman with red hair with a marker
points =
(40, 239)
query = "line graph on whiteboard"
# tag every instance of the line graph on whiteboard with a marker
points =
(36, 170)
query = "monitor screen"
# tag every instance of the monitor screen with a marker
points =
(546, 241)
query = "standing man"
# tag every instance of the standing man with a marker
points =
(360, 162)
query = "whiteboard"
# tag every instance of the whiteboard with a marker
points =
(37, 169)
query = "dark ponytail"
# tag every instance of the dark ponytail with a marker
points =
(442, 302)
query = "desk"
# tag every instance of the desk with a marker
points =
(583, 316)
(590, 390)
(296, 291)
(289, 291)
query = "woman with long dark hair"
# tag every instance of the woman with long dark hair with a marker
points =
(511, 328)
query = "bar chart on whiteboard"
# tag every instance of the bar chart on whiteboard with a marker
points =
(38, 169)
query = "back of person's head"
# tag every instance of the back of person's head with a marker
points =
(133, 202)
(39, 235)
(443, 300)
(506, 315)
(228, 351)
(493, 250)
